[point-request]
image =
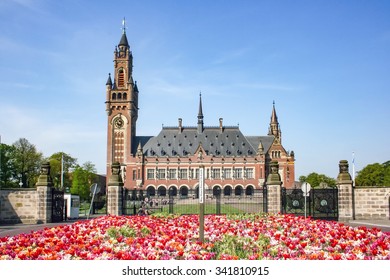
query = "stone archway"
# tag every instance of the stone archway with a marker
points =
(183, 191)
(238, 190)
(249, 191)
(227, 190)
(162, 191)
(150, 191)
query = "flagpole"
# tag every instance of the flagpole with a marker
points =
(62, 171)
(353, 168)
(0, 160)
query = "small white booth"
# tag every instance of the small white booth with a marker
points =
(72, 205)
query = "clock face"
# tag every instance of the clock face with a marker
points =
(118, 122)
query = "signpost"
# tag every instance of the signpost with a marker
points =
(94, 189)
(201, 203)
(306, 189)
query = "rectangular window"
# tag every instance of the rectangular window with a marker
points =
(161, 173)
(249, 173)
(150, 174)
(216, 173)
(183, 174)
(134, 174)
(197, 173)
(172, 173)
(227, 173)
(238, 173)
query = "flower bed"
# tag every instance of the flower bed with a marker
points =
(175, 237)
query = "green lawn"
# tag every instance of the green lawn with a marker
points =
(209, 209)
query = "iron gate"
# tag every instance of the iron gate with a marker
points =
(216, 202)
(57, 206)
(320, 204)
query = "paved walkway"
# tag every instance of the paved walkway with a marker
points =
(11, 230)
(15, 229)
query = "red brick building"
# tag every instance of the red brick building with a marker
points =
(235, 163)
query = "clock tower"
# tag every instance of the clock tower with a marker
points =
(121, 106)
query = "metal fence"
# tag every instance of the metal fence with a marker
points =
(137, 202)
(320, 203)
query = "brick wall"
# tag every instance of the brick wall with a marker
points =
(18, 206)
(372, 203)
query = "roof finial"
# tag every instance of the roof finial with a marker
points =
(124, 25)
(200, 115)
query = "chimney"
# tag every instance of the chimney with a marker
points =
(220, 124)
(180, 125)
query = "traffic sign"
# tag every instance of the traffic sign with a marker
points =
(305, 188)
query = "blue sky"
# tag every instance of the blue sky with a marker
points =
(326, 64)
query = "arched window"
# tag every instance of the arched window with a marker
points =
(238, 191)
(249, 190)
(183, 191)
(121, 78)
(216, 190)
(124, 96)
(161, 191)
(227, 191)
(172, 191)
(119, 95)
(113, 96)
(150, 191)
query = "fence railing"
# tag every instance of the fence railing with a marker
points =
(135, 202)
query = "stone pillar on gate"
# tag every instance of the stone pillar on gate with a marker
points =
(114, 190)
(274, 189)
(44, 187)
(345, 192)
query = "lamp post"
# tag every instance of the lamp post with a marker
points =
(201, 198)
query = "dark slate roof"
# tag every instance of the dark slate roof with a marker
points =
(229, 142)
(266, 141)
(123, 41)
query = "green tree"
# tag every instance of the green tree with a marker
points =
(27, 162)
(83, 177)
(7, 168)
(55, 170)
(315, 179)
(375, 174)
(386, 179)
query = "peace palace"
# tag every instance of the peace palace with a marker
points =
(236, 164)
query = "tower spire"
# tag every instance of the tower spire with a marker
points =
(124, 25)
(274, 128)
(200, 115)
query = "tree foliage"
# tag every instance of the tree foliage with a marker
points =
(374, 175)
(7, 170)
(83, 177)
(55, 171)
(26, 162)
(315, 179)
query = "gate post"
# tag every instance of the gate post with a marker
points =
(114, 191)
(344, 185)
(274, 188)
(44, 189)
